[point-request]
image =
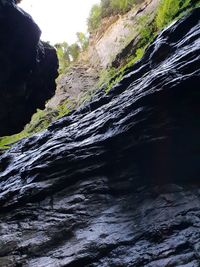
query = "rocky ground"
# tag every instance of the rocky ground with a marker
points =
(115, 183)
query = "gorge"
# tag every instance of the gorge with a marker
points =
(114, 183)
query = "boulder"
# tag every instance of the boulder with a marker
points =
(28, 68)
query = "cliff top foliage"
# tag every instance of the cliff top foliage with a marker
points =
(107, 8)
(68, 54)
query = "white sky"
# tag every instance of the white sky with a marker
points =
(59, 20)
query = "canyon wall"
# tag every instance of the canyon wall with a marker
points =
(28, 68)
(117, 34)
(115, 183)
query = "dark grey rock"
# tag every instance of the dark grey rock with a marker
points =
(115, 183)
(28, 68)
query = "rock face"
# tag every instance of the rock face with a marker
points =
(28, 68)
(121, 31)
(115, 183)
(74, 86)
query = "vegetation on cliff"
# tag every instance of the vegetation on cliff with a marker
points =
(107, 8)
(68, 54)
(39, 121)
(168, 10)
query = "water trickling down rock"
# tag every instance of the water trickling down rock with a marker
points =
(115, 183)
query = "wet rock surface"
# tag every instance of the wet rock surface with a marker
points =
(115, 183)
(28, 68)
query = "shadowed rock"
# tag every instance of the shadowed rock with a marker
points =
(116, 182)
(28, 68)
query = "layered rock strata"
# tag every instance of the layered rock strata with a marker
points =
(115, 183)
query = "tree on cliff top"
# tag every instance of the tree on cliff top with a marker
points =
(82, 40)
(67, 54)
(94, 19)
(107, 8)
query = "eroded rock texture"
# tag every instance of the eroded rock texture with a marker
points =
(117, 182)
(28, 68)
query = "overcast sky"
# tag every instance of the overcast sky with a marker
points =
(59, 20)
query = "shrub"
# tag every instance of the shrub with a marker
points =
(74, 51)
(113, 76)
(63, 56)
(63, 109)
(68, 54)
(106, 75)
(121, 6)
(147, 30)
(83, 40)
(168, 10)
